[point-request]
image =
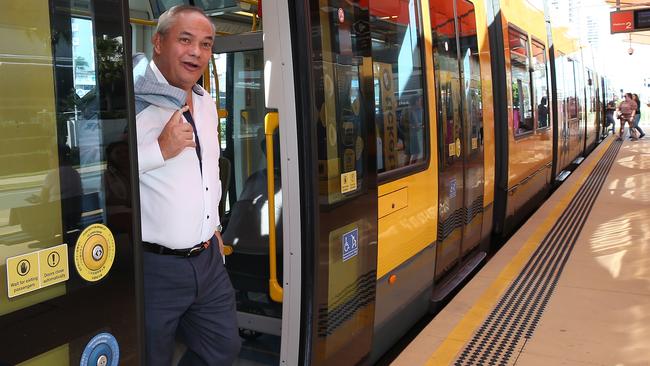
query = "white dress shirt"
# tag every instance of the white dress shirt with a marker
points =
(179, 205)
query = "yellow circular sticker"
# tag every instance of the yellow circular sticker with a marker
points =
(94, 252)
(458, 147)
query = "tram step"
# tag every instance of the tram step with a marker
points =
(563, 175)
(454, 278)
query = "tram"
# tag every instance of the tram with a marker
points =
(374, 154)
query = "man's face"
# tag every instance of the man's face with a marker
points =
(183, 53)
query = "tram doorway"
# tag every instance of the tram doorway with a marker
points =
(250, 174)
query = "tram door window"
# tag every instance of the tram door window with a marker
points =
(590, 103)
(450, 134)
(573, 110)
(472, 119)
(540, 85)
(398, 79)
(66, 242)
(521, 83)
(562, 99)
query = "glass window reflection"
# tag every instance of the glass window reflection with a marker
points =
(540, 83)
(522, 111)
(399, 97)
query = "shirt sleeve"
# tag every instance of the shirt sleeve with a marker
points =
(149, 157)
(149, 154)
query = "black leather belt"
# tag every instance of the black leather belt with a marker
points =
(189, 252)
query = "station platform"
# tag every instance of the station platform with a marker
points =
(571, 287)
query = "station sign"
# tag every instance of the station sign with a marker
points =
(626, 21)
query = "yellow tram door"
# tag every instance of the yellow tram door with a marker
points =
(460, 131)
(69, 281)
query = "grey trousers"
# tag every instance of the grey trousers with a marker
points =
(191, 298)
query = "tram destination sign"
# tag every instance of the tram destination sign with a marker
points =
(626, 21)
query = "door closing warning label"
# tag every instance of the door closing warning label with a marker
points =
(32, 271)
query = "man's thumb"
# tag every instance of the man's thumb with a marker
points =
(179, 113)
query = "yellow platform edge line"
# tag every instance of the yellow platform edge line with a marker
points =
(463, 331)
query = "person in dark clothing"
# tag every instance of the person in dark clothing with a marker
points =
(637, 116)
(610, 120)
(542, 113)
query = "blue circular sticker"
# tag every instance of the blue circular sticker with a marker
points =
(102, 350)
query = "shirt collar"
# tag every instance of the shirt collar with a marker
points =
(157, 72)
(195, 88)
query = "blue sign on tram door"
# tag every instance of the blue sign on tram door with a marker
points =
(350, 242)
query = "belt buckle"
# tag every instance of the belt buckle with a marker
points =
(198, 249)
(194, 251)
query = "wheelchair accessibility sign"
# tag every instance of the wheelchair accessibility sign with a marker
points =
(350, 243)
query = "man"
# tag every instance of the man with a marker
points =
(187, 292)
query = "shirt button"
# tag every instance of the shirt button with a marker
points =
(208, 216)
(206, 188)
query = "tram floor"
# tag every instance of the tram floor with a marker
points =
(571, 287)
(261, 351)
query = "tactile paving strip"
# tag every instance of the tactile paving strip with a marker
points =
(513, 320)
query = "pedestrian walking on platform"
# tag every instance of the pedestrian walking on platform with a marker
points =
(627, 110)
(637, 115)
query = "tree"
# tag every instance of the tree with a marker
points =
(80, 63)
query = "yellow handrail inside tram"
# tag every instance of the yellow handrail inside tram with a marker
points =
(271, 123)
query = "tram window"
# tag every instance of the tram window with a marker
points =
(571, 99)
(447, 76)
(471, 76)
(540, 84)
(399, 85)
(522, 111)
(579, 89)
(341, 55)
(218, 78)
(561, 88)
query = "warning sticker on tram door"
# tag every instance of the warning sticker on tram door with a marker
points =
(22, 274)
(32, 271)
(53, 265)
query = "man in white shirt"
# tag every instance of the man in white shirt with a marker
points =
(187, 290)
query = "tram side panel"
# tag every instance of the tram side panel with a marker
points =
(529, 154)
